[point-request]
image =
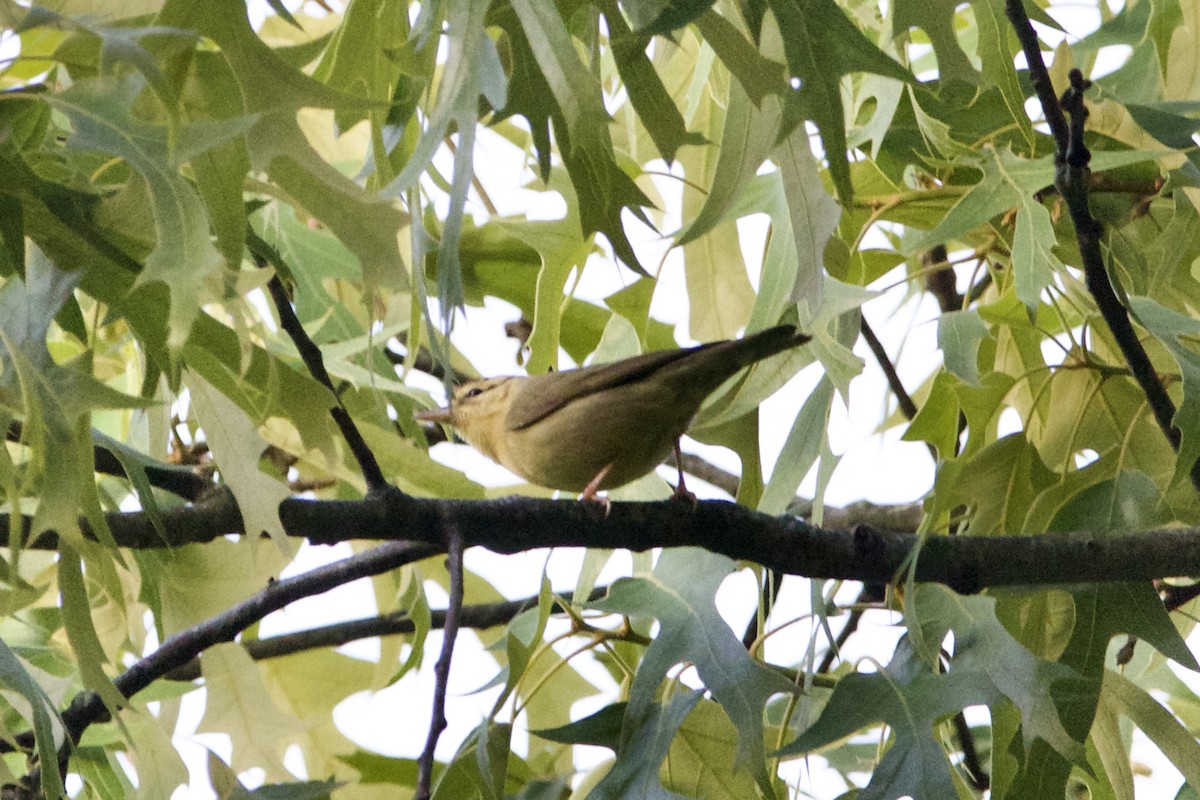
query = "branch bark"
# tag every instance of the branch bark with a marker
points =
(787, 544)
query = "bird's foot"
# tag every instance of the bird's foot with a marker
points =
(590, 492)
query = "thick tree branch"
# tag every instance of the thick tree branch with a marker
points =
(790, 545)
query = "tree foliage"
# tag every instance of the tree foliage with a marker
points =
(234, 244)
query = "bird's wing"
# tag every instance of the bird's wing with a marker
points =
(537, 404)
(542, 395)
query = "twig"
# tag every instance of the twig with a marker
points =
(971, 762)
(441, 670)
(768, 595)
(424, 361)
(907, 406)
(311, 355)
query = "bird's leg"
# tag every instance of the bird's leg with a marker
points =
(681, 490)
(589, 491)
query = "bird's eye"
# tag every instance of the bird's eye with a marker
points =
(474, 391)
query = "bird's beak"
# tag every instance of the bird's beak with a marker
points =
(442, 416)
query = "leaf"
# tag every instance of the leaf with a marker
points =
(1170, 327)
(1176, 742)
(603, 189)
(984, 647)
(239, 705)
(719, 293)
(650, 99)
(274, 91)
(800, 450)
(54, 400)
(959, 335)
(700, 762)
(183, 258)
(814, 217)
(1000, 483)
(81, 631)
(758, 75)
(237, 448)
(822, 45)
(936, 19)
(647, 738)
(746, 140)
(996, 54)
(47, 726)
(679, 594)
(295, 790)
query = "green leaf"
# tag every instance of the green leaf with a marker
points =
(800, 450)
(239, 705)
(936, 19)
(237, 448)
(758, 75)
(1171, 327)
(996, 54)
(719, 293)
(1176, 742)
(746, 139)
(647, 738)
(822, 45)
(983, 646)
(937, 418)
(959, 335)
(602, 729)
(1000, 482)
(814, 216)
(602, 187)
(81, 630)
(296, 790)
(47, 727)
(650, 99)
(183, 258)
(680, 595)
(911, 698)
(275, 91)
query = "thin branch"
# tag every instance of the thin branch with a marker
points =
(1073, 179)
(311, 355)
(424, 361)
(441, 670)
(1039, 76)
(480, 616)
(972, 765)
(179, 480)
(181, 648)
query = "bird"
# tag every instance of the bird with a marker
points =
(599, 427)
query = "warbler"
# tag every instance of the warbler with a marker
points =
(598, 427)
